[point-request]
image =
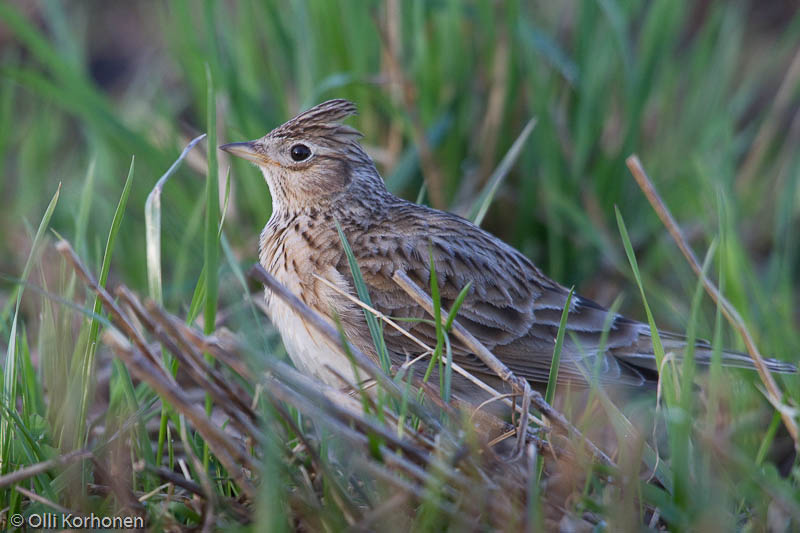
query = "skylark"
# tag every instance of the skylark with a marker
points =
(318, 174)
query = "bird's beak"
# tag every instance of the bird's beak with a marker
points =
(246, 150)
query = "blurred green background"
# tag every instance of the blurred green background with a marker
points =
(705, 92)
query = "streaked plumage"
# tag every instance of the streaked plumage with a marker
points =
(512, 307)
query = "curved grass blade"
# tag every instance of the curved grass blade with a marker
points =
(486, 196)
(9, 393)
(152, 228)
(375, 329)
(152, 225)
(658, 347)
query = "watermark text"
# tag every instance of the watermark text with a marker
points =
(75, 521)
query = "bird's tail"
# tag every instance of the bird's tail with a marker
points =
(704, 355)
(675, 344)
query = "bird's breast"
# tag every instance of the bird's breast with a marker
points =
(296, 256)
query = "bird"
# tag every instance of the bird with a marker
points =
(320, 177)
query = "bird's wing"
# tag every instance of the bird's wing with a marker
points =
(511, 307)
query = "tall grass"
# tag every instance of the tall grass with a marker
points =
(705, 94)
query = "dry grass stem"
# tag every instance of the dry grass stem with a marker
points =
(234, 402)
(44, 501)
(118, 316)
(520, 386)
(774, 394)
(779, 107)
(375, 312)
(428, 350)
(258, 273)
(230, 455)
(144, 365)
(33, 470)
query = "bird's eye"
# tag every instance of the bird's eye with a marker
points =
(300, 152)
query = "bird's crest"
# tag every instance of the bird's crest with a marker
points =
(323, 120)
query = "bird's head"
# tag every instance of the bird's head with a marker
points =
(312, 159)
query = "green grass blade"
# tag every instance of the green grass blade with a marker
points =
(30, 446)
(537, 42)
(486, 196)
(82, 219)
(94, 327)
(33, 398)
(769, 437)
(687, 394)
(715, 373)
(198, 298)
(658, 348)
(375, 329)
(451, 316)
(680, 428)
(225, 202)
(436, 298)
(9, 396)
(403, 411)
(421, 194)
(211, 241)
(7, 116)
(552, 379)
(448, 369)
